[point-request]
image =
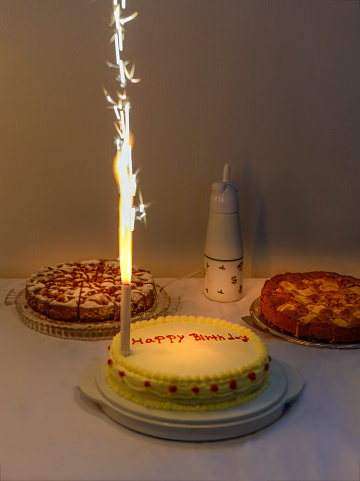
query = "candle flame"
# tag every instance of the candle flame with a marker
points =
(126, 180)
(127, 187)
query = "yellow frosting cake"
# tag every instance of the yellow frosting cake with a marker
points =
(189, 363)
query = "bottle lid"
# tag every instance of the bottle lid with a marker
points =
(224, 198)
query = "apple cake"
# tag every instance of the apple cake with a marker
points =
(313, 305)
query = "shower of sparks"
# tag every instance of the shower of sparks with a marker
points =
(121, 107)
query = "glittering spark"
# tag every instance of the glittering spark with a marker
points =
(140, 210)
(121, 102)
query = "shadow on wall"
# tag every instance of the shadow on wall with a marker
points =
(254, 222)
(260, 248)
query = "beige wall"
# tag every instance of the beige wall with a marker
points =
(271, 86)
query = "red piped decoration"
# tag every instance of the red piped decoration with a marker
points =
(252, 376)
(147, 383)
(121, 373)
(266, 366)
(108, 348)
(172, 388)
(109, 362)
(195, 390)
(214, 388)
(233, 384)
(269, 357)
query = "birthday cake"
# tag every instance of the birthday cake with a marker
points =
(87, 291)
(189, 363)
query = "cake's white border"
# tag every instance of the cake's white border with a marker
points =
(285, 387)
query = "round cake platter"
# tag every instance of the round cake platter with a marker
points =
(285, 387)
(163, 305)
(255, 320)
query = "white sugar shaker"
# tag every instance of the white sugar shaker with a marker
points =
(223, 246)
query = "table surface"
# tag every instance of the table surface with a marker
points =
(50, 431)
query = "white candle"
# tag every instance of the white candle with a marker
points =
(125, 319)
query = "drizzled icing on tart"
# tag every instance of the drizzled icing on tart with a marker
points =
(87, 291)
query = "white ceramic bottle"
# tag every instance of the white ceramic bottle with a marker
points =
(223, 246)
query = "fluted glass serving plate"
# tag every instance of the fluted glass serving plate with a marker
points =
(163, 305)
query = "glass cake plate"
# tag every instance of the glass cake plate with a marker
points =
(163, 305)
(255, 320)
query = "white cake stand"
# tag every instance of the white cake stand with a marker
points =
(286, 386)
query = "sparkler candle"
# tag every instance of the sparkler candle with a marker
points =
(127, 187)
(123, 171)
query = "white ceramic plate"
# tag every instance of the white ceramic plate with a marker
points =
(285, 387)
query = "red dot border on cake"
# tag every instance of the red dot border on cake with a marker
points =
(172, 388)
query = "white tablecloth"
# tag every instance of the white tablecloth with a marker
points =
(49, 431)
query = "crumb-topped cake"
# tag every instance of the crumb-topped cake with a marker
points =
(189, 363)
(313, 305)
(87, 291)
